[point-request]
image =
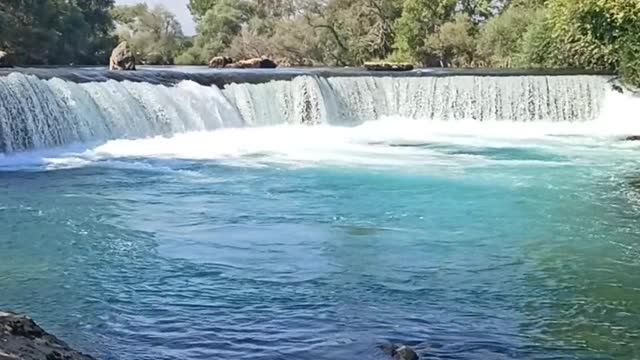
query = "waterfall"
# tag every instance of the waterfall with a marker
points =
(525, 98)
(303, 100)
(40, 113)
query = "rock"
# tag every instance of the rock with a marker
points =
(632, 138)
(4, 60)
(122, 58)
(617, 88)
(266, 63)
(255, 63)
(383, 66)
(220, 61)
(399, 352)
(405, 353)
(22, 339)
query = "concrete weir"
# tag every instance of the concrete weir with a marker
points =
(221, 77)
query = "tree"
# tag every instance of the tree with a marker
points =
(501, 39)
(216, 29)
(155, 34)
(99, 37)
(588, 33)
(290, 43)
(277, 9)
(354, 31)
(419, 19)
(629, 58)
(199, 8)
(453, 43)
(479, 11)
(56, 31)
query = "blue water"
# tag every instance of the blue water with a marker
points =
(465, 247)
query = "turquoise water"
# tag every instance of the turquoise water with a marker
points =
(492, 242)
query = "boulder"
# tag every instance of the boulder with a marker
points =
(4, 60)
(617, 88)
(122, 58)
(632, 138)
(385, 66)
(22, 339)
(220, 61)
(266, 63)
(400, 352)
(405, 353)
(255, 63)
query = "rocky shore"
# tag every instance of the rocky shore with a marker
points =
(22, 339)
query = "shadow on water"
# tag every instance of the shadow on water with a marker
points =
(634, 183)
(494, 153)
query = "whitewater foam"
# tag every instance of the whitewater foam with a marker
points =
(37, 114)
(388, 143)
(374, 122)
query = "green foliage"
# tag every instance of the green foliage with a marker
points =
(191, 56)
(56, 31)
(420, 18)
(453, 43)
(538, 48)
(199, 8)
(479, 11)
(291, 42)
(217, 28)
(154, 34)
(630, 56)
(352, 31)
(587, 34)
(501, 39)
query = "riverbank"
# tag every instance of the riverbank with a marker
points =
(22, 339)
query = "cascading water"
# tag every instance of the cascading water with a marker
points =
(530, 98)
(305, 99)
(36, 113)
(317, 214)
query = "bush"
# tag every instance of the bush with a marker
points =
(501, 39)
(154, 58)
(453, 43)
(589, 33)
(630, 57)
(538, 47)
(192, 56)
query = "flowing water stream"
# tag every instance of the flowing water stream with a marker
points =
(473, 217)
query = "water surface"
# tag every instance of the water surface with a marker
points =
(486, 241)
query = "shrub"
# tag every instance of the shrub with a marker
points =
(630, 56)
(501, 39)
(453, 43)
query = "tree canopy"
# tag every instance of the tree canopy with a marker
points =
(584, 34)
(56, 31)
(155, 34)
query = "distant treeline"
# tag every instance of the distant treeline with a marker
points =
(584, 34)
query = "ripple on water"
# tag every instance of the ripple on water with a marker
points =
(198, 259)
